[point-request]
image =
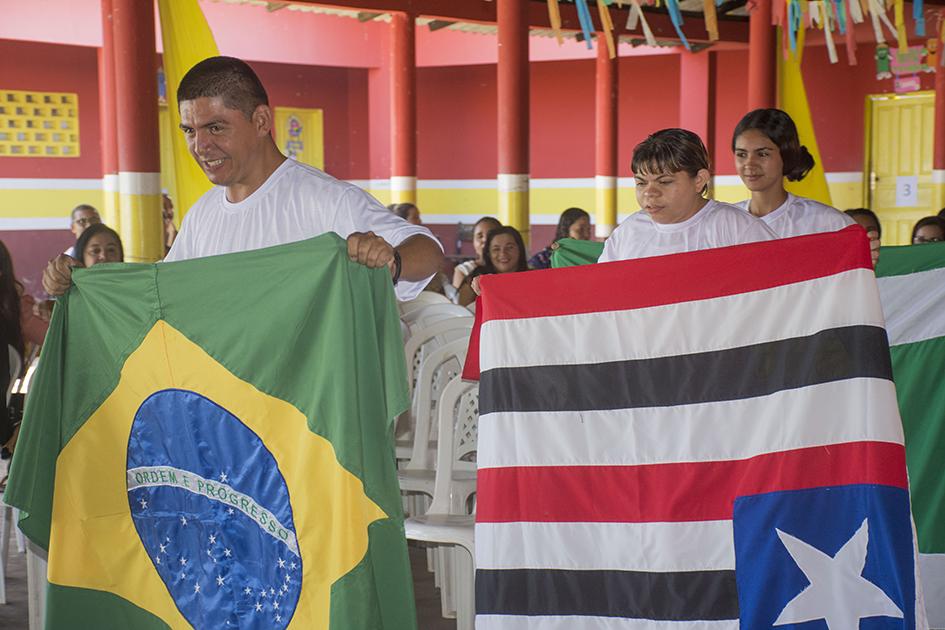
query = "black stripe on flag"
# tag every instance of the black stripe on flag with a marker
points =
(684, 596)
(732, 374)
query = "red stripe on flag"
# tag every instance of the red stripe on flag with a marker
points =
(676, 492)
(647, 282)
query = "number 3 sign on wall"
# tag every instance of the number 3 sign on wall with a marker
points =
(907, 191)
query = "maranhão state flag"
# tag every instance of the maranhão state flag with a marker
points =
(702, 441)
(207, 444)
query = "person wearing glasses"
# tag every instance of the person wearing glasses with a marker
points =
(83, 215)
(929, 230)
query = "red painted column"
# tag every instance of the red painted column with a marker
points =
(512, 18)
(139, 160)
(403, 135)
(762, 59)
(697, 95)
(107, 111)
(605, 162)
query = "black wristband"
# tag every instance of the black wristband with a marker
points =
(397, 266)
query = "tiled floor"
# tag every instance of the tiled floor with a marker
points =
(13, 616)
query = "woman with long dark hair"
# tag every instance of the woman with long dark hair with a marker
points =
(767, 151)
(504, 252)
(573, 223)
(11, 331)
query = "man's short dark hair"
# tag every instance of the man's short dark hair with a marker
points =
(83, 207)
(227, 77)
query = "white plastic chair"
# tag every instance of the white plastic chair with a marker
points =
(457, 423)
(418, 347)
(444, 365)
(425, 298)
(419, 318)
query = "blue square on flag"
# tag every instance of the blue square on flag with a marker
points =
(834, 558)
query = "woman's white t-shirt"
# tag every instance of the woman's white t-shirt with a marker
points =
(798, 216)
(717, 224)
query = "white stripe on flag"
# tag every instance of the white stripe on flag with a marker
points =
(527, 622)
(716, 431)
(659, 547)
(913, 307)
(642, 333)
(932, 570)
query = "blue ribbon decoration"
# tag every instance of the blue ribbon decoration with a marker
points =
(841, 17)
(919, 17)
(676, 16)
(793, 22)
(584, 16)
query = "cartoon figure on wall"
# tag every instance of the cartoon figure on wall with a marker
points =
(883, 70)
(294, 146)
(931, 56)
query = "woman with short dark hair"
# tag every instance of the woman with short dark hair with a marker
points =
(671, 170)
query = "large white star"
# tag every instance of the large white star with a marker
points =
(838, 593)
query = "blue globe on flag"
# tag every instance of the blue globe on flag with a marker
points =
(213, 512)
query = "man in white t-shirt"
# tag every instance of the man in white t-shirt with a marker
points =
(262, 199)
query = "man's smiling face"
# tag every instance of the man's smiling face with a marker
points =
(222, 140)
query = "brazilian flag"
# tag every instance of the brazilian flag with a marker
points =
(208, 444)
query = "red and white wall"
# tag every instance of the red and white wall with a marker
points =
(340, 65)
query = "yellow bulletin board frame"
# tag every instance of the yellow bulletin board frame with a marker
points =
(39, 124)
(300, 134)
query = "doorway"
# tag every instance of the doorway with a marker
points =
(900, 132)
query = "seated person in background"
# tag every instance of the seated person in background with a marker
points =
(928, 230)
(671, 169)
(767, 150)
(406, 211)
(11, 315)
(440, 283)
(83, 216)
(868, 219)
(482, 228)
(170, 230)
(504, 252)
(99, 244)
(573, 223)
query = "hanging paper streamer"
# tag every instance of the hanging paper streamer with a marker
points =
(675, 15)
(901, 37)
(840, 16)
(919, 16)
(815, 17)
(711, 19)
(851, 34)
(828, 31)
(584, 17)
(636, 15)
(554, 17)
(878, 13)
(793, 24)
(855, 10)
(607, 26)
